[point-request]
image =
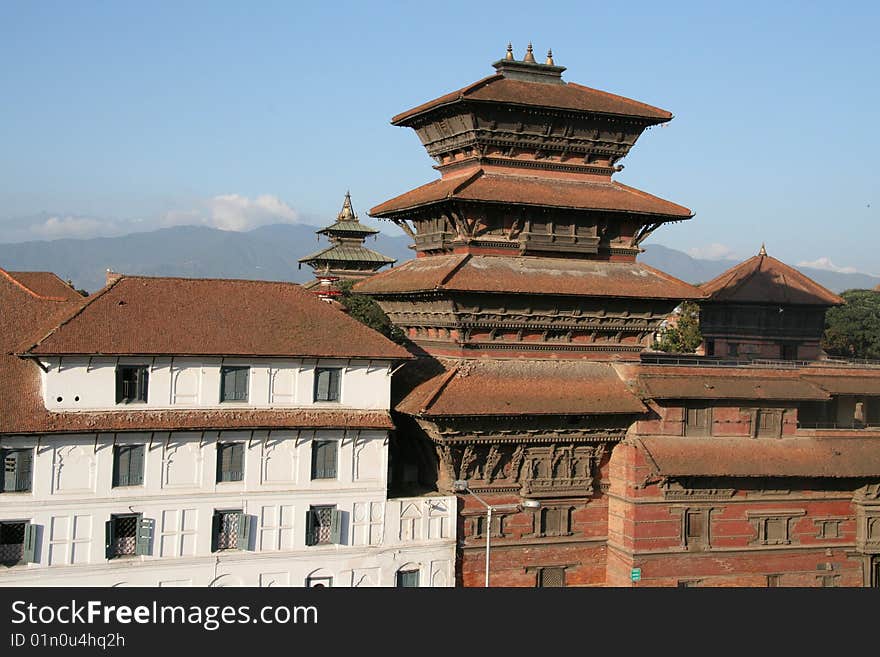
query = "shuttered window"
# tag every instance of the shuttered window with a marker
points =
(230, 462)
(17, 466)
(128, 535)
(232, 530)
(234, 383)
(694, 527)
(128, 465)
(776, 531)
(698, 421)
(324, 459)
(323, 525)
(408, 578)
(131, 383)
(327, 384)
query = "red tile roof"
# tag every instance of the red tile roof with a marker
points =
(847, 385)
(43, 284)
(181, 316)
(529, 275)
(532, 190)
(522, 387)
(208, 419)
(751, 385)
(759, 457)
(566, 96)
(763, 279)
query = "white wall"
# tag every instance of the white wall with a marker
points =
(72, 497)
(83, 383)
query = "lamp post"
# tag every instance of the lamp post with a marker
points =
(461, 486)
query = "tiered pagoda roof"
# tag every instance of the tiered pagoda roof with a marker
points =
(347, 257)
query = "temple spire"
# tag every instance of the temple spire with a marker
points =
(530, 56)
(763, 251)
(347, 213)
(509, 55)
(549, 61)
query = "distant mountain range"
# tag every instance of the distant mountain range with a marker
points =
(271, 253)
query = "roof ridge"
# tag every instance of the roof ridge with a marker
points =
(446, 378)
(644, 194)
(256, 281)
(448, 275)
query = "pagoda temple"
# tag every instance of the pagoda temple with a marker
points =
(525, 293)
(347, 257)
(763, 308)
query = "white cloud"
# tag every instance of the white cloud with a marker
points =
(234, 212)
(826, 264)
(714, 251)
(73, 226)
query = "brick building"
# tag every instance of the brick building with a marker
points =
(532, 316)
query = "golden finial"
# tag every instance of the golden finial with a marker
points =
(347, 212)
(509, 55)
(763, 251)
(549, 61)
(530, 56)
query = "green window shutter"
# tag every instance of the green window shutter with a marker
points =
(334, 386)
(328, 459)
(23, 470)
(236, 466)
(310, 527)
(227, 384)
(108, 539)
(221, 457)
(241, 384)
(136, 465)
(29, 553)
(119, 393)
(215, 531)
(144, 540)
(336, 526)
(322, 385)
(244, 531)
(120, 462)
(143, 382)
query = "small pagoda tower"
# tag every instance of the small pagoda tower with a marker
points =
(347, 257)
(762, 308)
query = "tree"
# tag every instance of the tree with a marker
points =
(367, 311)
(682, 336)
(853, 330)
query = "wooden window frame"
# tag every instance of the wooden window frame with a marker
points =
(334, 386)
(236, 397)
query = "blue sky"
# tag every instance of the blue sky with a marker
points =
(121, 116)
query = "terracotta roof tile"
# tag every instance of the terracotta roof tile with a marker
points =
(698, 385)
(529, 275)
(181, 420)
(522, 387)
(530, 190)
(847, 385)
(180, 316)
(566, 96)
(43, 284)
(763, 279)
(750, 457)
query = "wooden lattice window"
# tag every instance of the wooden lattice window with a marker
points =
(551, 577)
(323, 525)
(17, 542)
(128, 535)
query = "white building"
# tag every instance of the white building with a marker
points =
(169, 432)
